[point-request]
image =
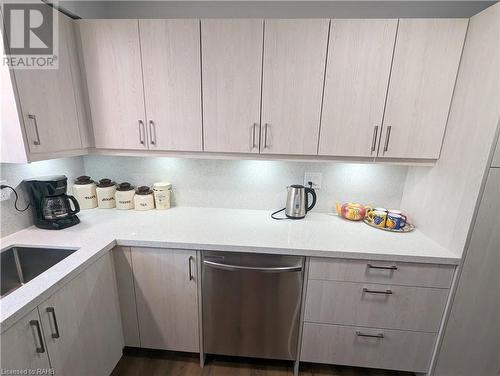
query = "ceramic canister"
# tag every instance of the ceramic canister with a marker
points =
(106, 193)
(84, 191)
(124, 196)
(143, 199)
(162, 192)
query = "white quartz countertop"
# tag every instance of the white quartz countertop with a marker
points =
(319, 234)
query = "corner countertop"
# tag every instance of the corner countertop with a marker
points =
(319, 234)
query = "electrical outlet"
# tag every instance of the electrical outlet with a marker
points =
(314, 177)
(4, 193)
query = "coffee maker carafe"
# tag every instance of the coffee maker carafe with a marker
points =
(51, 205)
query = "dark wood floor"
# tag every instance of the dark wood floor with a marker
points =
(138, 362)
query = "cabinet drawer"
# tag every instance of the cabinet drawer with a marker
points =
(397, 350)
(396, 273)
(349, 303)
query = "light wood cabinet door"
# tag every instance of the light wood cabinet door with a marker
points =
(126, 295)
(172, 83)
(112, 58)
(426, 59)
(166, 295)
(48, 104)
(232, 74)
(88, 337)
(357, 76)
(22, 347)
(293, 75)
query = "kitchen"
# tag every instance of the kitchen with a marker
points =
(268, 188)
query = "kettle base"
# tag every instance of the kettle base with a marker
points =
(292, 217)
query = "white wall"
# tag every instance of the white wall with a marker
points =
(442, 199)
(12, 220)
(251, 184)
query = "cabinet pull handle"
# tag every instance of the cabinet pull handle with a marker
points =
(141, 132)
(387, 138)
(254, 143)
(35, 125)
(152, 132)
(374, 140)
(391, 267)
(52, 311)
(266, 126)
(385, 292)
(361, 334)
(190, 268)
(36, 324)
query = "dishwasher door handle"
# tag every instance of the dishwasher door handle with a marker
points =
(265, 269)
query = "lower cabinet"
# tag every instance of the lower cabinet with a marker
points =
(167, 298)
(23, 346)
(81, 323)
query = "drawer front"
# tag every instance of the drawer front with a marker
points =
(395, 273)
(397, 350)
(361, 304)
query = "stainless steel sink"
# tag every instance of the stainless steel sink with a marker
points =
(20, 265)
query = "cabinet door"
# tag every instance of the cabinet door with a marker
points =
(112, 59)
(82, 323)
(424, 69)
(172, 83)
(48, 102)
(232, 74)
(294, 68)
(166, 295)
(357, 75)
(23, 346)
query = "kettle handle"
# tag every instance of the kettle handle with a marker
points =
(75, 203)
(313, 194)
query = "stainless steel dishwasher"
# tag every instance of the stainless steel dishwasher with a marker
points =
(251, 304)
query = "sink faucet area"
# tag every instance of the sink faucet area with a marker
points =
(20, 265)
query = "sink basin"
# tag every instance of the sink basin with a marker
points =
(20, 265)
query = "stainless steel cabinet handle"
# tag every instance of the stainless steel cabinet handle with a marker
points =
(36, 324)
(361, 334)
(374, 140)
(52, 311)
(191, 276)
(385, 292)
(142, 132)
(33, 118)
(387, 138)
(391, 267)
(152, 132)
(254, 128)
(273, 269)
(266, 126)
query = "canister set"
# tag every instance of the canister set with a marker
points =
(107, 194)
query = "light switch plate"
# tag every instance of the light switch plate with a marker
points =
(4, 193)
(314, 177)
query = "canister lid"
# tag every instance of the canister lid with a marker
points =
(125, 186)
(103, 183)
(81, 180)
(143, 190)
(162, 186)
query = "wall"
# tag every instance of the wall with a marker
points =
(443, 198)
(10, 219)
(251, 184)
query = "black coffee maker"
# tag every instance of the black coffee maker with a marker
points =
(51, 205)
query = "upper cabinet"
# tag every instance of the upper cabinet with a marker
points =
(232, 74)
(48, 104)
(425, 64)
(172, 83)
(293, 73)
(357, 75)
(112, 58)
(144, 82)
